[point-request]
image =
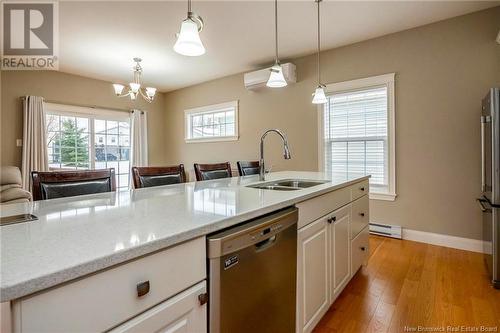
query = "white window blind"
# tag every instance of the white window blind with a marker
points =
(356, 136)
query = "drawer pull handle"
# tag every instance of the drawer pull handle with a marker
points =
(332, 219)
(362, 214)
(362, 189)
(363, 248)
(203, 298)
(143, 288)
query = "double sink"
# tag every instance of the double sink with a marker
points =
(288, 184)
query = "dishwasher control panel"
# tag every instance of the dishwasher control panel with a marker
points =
(252, 233)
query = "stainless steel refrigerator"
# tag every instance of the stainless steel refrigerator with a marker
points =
(490, 183)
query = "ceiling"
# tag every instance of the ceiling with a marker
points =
(99, 39)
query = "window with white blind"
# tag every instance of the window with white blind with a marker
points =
(358, 133)
(217, 122)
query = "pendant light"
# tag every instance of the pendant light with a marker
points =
(188, 39)
(276, 78)
(319, 94)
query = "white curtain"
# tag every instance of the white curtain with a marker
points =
(35, 156)
(139, 129)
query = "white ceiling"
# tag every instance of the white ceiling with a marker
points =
(99, 39)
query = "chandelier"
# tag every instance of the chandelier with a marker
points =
(134, 88)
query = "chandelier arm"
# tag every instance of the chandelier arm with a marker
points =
(145, 96)
(125, 95)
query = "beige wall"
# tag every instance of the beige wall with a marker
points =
(443, 71)
(71, 89)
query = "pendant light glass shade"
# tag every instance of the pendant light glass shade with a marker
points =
(319, 96)
(134, 87)
(150, 92)
(189, 42)
(118, 88)
(276, 78)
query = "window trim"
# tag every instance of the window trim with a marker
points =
(90, 112)
(386, 80)
(211, 109)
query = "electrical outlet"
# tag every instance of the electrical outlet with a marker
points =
(19, 142)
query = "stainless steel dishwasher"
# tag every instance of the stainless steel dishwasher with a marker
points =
(252, 275)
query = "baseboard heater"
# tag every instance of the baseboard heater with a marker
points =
(386, 230)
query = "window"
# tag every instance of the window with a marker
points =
(86, 138)
(357, 134)
(212, 123)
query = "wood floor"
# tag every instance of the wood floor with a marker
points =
(410, 284)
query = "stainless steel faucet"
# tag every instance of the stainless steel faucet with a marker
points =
(286, 151)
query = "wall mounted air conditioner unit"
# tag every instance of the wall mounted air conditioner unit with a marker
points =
(258, 79)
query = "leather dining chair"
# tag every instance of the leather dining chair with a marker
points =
(246, 168)
(158, 176)
(212, 171)
(59, 184)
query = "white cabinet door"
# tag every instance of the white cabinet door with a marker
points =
(312, 270)
(340, 244)
(182, 313)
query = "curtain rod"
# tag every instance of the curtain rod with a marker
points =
(86, 106)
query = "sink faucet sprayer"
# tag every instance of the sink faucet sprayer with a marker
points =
(286, 151)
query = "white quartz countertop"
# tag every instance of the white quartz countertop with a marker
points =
(81, 235)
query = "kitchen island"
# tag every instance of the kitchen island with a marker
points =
(88, 243)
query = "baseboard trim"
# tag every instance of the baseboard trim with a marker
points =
(454, 242)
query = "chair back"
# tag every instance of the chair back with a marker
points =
(59, 184)
(246, 168)
(212, 171)
(158, 176)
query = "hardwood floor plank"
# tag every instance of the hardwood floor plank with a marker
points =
(381, 319)
(410, 284)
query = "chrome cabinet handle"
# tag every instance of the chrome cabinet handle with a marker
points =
(143, 288)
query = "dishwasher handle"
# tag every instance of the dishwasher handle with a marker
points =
(266, 243)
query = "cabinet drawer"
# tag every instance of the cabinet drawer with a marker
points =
(313, 209)
(181, 313)
(360, 189)
(103, 300)
(360, 215)
(359, 250)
